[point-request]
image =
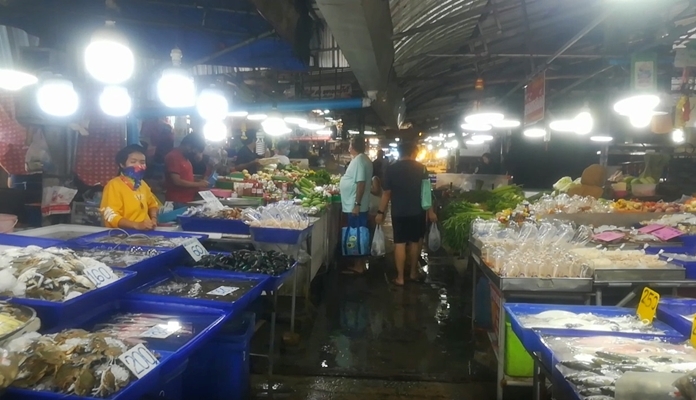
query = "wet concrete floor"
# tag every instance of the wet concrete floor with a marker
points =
(371, 340)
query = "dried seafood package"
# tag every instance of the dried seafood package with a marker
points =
(261, 262)
(48, 274)
(209, 289)
(70, 362)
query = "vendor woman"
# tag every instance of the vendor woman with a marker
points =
(127, 201)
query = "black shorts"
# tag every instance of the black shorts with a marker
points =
(409, 229)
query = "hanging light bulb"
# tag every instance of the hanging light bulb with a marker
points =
(295, 120)
(534, 132)
(583, 123)
(215, 131)
(485, 118)
(678, 136)
(57, 97)
(107, 57)
(13, 80)
(212, 104)
(115, 101)
(239, 114)
(176, 88)
(640, 120)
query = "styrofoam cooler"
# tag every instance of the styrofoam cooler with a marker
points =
(220, 370)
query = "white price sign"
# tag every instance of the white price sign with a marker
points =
(139, 360)
(211, 200)
(100, 276)
(195, 249)
(223, 291)
(159, 332)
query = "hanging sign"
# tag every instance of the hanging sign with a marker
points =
(644, 72)
(535, 100)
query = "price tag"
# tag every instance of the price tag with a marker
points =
(667, 233)
(160, 331)
(650, 228)
(693, 332)
(648, 305)
(139, 360)
(100, 276)
(669, 260)
(223, 291)
(211, 200)
(195, 249)
(608, 236)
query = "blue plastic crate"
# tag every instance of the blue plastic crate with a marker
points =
(672, 310)
(531, 339)
(91, 238)
(234, 307)
(666, 248)
(220, 370)
(54, 313)
(205, 322)
(689, 266)
(229, 226)
(278, 235)
(8, 239)
(147, 269)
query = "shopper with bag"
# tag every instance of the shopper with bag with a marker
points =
(407, 185)
(355, 202)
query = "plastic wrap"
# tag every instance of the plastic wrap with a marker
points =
(284, 214)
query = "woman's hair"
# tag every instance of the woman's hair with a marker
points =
(124, 153)
(250, 137)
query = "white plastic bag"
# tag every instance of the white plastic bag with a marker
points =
(379, 247)
(434, 241)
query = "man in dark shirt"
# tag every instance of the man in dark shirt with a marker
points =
(487, 166)
(247, 159)
(402, 186)
(378, 165)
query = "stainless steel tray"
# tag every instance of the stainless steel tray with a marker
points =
(673, 273)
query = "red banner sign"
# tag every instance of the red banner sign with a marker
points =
(535, 100)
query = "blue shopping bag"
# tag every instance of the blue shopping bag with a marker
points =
(356, 237)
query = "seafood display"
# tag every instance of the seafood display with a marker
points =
(70, 362)
(593, 364)
(261, 262)
(209, 289)
(118, 258)
(135, 328)
(48, 274)
(618, 259)
(142, 240)
(13, 318)
(586, 321)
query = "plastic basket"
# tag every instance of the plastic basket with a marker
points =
(673, 310)
(92, 238)
(532, 341)
(272, 284)
(689, 265)
(205, 322)
(220, 370)
(229, 226)
(518, 362)
(55, 313)
(278, 235)
(8, 239)
(232, 306)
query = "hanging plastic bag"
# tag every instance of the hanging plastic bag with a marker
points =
(379, 247)
(434, 241)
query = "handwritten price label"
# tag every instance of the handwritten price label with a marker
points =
(139, 360)
(647, 308)
(158, 332)
(211, 200)
(693, 332)
(223, 291)
(650, 228)
(195, 249)
(666, 233)
(608, 236)
(100, 276)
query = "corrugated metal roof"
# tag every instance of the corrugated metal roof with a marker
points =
(407, 14)
(327, 53)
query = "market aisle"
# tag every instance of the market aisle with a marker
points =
(365, 328)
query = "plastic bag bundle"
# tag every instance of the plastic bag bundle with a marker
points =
(379, 247)
(434, 241)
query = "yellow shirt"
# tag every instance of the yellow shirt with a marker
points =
(120, 201)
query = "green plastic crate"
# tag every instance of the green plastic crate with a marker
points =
(518, 362)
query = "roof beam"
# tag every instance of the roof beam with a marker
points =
(230, 49)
